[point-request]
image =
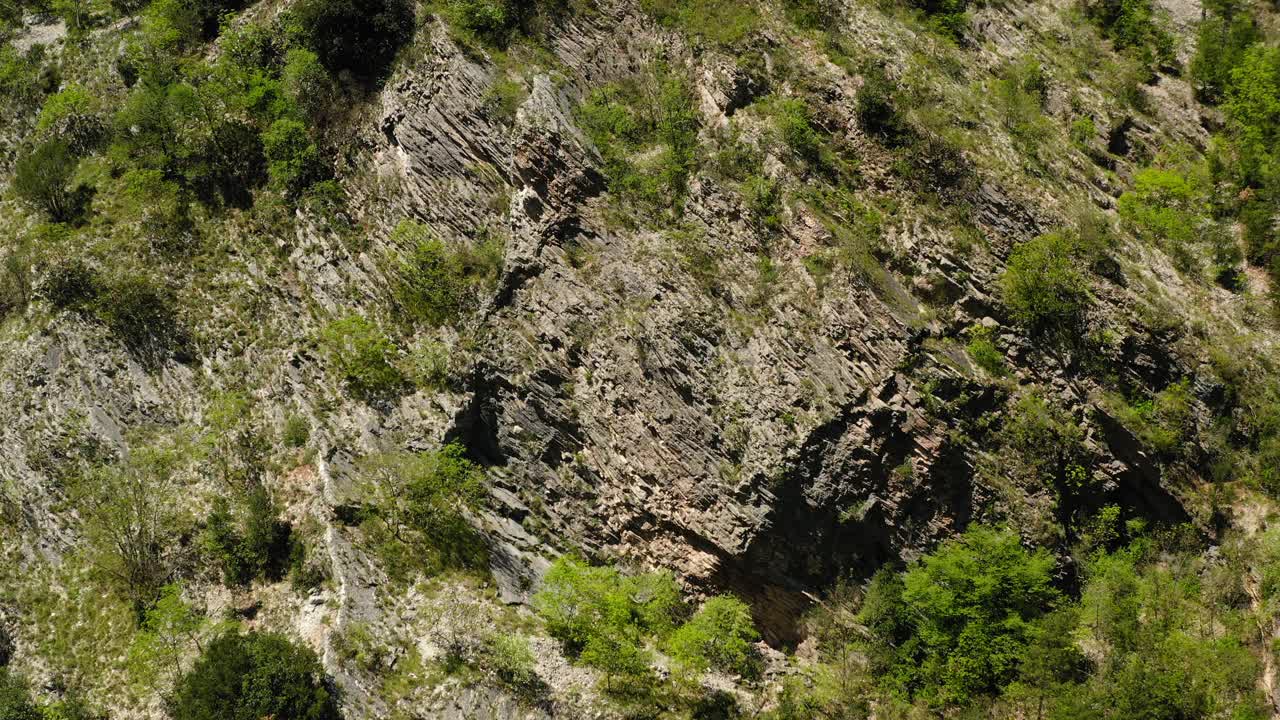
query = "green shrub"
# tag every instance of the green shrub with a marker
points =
(948, 17)
(253, 543)
(439, 489)
(71, 285)
(794, 124)
(764, 199)
(42, 177)
(140, 311)
(1258, 217)
(362, 36)
(1083, 131)
(15, 698)
(22, 79)
(1164, 421)
(812, 14)
(721, 636)
(510, 658)
(490, 20)
(431, 283)
(647, 137)
(1042, 443)
(254, 676)
(71, 115)
(363, 356)
(1134, 28)
(959, 621)
(602, 616)
(436, 284)
(297, 430)
(1020, 94)
(935, 164)
(1043, 285)
(170, 27)
(982, 348)
(502, 100)
(429, 365)
(875, 106)
(162, 640)
(425, 500)
(724, 22)
(293, 161)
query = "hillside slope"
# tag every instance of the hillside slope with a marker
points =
(347, 326)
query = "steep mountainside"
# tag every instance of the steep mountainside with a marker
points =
(343, 320)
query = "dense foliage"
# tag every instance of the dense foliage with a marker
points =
(254, 676)
(1044, 284)
(362, 36)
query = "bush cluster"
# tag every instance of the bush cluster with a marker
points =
(253, 543)
(607, 620)
(724, 22)
(421, 517)
(647, 133)
(1045, 284)
(254, 676)
(955, 624)
(363, 356)
(360, 36)
(1136, 28)
(436, 284)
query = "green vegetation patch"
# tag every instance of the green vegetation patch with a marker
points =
(1045, 284)
(723, 22)
(646, 130)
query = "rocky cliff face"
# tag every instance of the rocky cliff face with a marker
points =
(647, 392)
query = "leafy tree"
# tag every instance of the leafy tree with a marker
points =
(1051, 662)
(130, 517)
(602, 616)
(363, 356)
(43, 176)
(293, 161)
(362, 36)
(1253, 111)
(307, 84)
(440, 488)
(425, 500)
(15, 698)
(617, 650)
(719, 636)
(170, 627)
(1044, 285)
(1221, 42)
(255, 544)
(964, 616)
(254, 676)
